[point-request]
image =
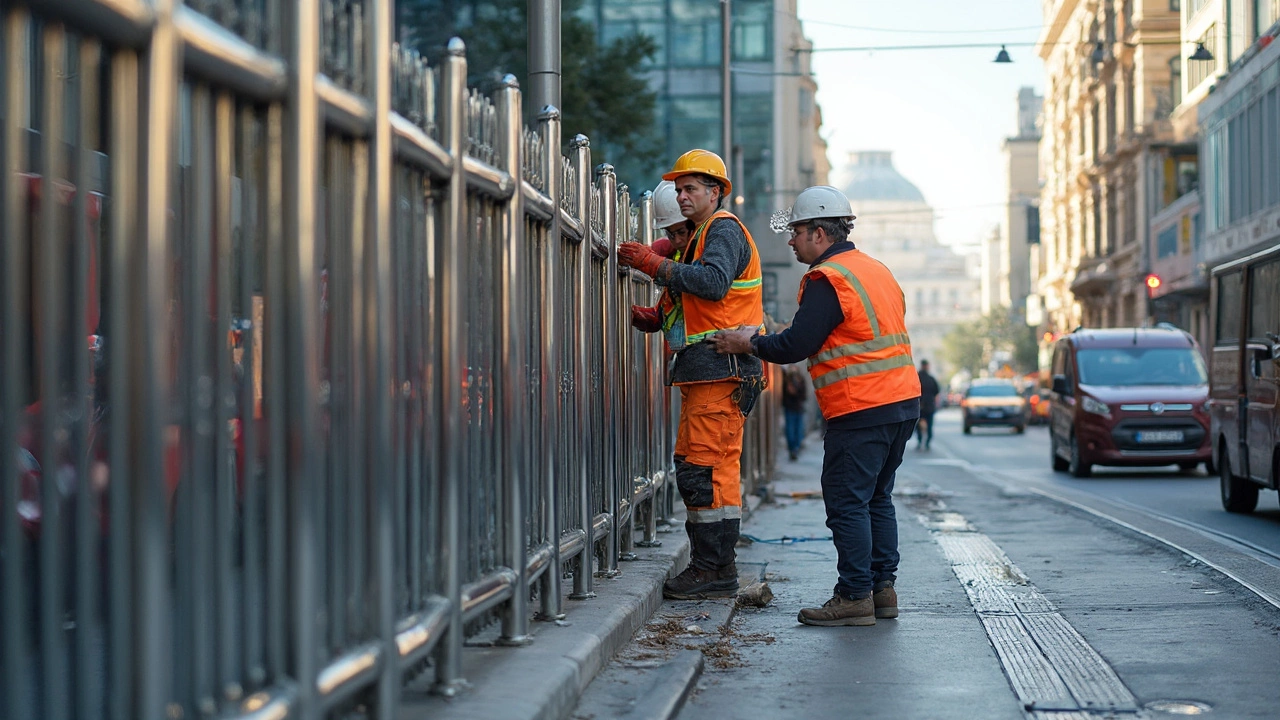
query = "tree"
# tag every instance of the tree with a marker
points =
(973, 345)
(604, 95)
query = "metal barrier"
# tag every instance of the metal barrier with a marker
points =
(359, 381)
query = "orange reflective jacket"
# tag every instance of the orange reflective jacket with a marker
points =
(866, 361)
(744, 303)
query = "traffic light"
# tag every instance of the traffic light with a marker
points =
(1153, 284)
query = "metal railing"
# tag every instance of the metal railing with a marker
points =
(359, 379)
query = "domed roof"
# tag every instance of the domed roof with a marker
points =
(872, 176)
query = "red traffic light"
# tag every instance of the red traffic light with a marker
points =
(1153, 284)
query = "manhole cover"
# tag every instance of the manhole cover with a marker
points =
(1179, 707)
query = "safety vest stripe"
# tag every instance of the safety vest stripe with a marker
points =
(728, 512)
(858, 369)
(880, 343)
(862, 294)
(704, 335)
(745, 284)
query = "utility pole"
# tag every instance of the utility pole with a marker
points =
(726, 81)
(544, 54)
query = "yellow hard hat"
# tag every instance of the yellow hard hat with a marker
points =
(701, 162)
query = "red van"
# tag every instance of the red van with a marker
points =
(1128, 397)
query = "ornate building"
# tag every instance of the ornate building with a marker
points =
(895, 226)
(1106, 126)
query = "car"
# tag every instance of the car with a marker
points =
(1131, 397)
(1244, 412)
(994, 402)
(1037, 405)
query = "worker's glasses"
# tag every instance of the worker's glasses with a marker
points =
(795, 229)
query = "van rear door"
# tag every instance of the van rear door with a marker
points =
(1260, 375)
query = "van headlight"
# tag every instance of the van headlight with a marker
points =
(1096, 407)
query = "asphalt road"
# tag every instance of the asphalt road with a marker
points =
(1135, 581)
(1189, 499)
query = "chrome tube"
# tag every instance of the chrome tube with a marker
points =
(48, 263)
(453, 359)
(513, 378)
(302, 142)
(150, 386)
(378, 39)
(14, 64)
(125, 225)
(607, 182)
(549, 383)
(649, 395)
(580, 148)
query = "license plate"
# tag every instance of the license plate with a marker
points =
(995, 413)
(1159, 436)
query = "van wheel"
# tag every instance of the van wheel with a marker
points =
(1076, 466)
(1187, 466)
(1020, 429)
(967, 429)
(1059, 465)
(1238, 494)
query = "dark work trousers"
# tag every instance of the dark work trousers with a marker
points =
(858, 469)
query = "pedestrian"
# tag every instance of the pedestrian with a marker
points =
(851, 326)
(718, 281)
(794, 395)
(929, 390)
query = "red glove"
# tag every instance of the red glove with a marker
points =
(646, 319)
(640, 257)
(663, 247)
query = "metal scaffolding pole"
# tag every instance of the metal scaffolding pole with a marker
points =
(544, 53)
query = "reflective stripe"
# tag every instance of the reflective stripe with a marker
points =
(866, 368)
(745, 284)
(862, 294)
(704, 335)
(710, 515)
(880, 343)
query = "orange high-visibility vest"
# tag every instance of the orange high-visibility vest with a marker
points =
(744, 303)
(866, 360)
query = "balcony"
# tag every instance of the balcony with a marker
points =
(1094, 277)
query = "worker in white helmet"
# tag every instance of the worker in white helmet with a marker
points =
(677, 229)
(851, 325)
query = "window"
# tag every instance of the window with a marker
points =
(751, 23)
(1167, 242)
(1264, 300)
(1229, 299)
(1175, 80)
(1265, 14)
(1118, 367)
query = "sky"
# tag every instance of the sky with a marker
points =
(943, 113)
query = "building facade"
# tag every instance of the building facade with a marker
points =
(1106, 128)
(1221, 181)
(896, 226)
(777, 150)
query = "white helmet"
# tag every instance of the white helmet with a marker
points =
(819, 201)
(666, 210)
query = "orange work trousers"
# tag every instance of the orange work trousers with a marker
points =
(709, 451)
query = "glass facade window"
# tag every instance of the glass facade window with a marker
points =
(752, 22)
(695, 33)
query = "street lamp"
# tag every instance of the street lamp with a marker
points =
(1002, 56)
(1201, 53)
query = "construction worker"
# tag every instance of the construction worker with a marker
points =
(851, 326)
(667, 315)
(718, 281)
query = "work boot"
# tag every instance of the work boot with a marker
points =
(698, 584)
(886, 601)
(840, 610)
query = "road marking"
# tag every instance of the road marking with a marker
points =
(1052, 669)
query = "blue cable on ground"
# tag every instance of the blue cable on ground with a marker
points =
(785, 540)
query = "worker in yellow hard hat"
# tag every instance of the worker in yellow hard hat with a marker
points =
(718, 281)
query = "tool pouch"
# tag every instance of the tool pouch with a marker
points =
(748, 392)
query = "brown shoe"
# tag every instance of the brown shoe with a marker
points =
(886, 602)
(696, 584)
(840, 611)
